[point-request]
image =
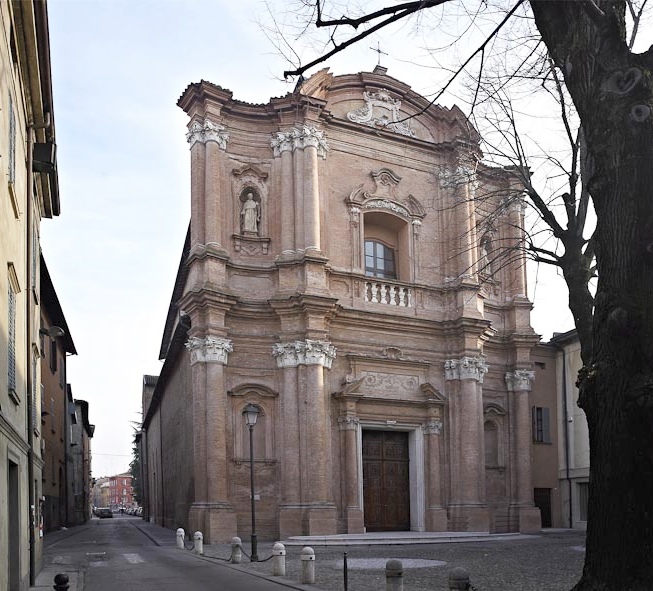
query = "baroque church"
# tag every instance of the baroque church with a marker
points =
(353, 270)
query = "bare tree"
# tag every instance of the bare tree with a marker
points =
(592, 62)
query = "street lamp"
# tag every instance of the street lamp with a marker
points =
(251, 414)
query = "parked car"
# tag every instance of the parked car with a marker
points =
(103, 512)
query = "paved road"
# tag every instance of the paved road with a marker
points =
(125, 554)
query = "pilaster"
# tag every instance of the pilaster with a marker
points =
(211, 513)
(522, 509)
(436, 514)
(467, 507)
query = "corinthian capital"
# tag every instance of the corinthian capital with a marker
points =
(209, 349)
(520, 379)
(300, 138)
(306, 352)
(467, 368)
(207, 132)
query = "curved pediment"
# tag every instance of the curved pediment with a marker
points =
(385, 196)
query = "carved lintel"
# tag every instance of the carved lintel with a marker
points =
(209, 349)
(308, 352)
(467, 368)
(520, 379)
(207, 132)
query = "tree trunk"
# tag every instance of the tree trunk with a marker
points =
(611, 88)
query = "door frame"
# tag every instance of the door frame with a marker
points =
(415, 466)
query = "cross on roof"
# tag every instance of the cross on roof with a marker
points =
(378, 50)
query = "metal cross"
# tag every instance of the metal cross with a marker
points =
(378, 50)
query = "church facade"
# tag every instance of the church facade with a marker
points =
(353, 271)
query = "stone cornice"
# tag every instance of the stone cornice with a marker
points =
(209, 349)
(519, 379)
(467, 368)
(207, 132)
(307, 352)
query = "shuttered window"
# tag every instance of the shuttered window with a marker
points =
(11, 349)
(541, 425)
(12, 142)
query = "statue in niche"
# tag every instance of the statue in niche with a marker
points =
(250, 215)
(485, 264)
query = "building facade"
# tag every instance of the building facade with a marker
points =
(346, 272)
(55, 344)
(78, 461)
(121, 492)
(28, 194)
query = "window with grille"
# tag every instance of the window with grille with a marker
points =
(379, 260)
(12, 142)
(541, 425)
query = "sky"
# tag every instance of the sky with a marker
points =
(118, 70)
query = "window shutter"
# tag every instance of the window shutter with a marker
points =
(12, 142)
(546, 426)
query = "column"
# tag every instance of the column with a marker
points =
(211, 513)
(521, 504)
(468, 511)
(436, 514)
(516, 285)
(315, 145)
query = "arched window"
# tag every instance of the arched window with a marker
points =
(379, 260)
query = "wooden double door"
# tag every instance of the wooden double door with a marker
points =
(386, 481)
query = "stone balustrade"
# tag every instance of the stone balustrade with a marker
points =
(380, 292)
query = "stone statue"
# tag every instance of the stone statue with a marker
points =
(250, 215)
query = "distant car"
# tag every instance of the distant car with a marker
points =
(103, 512)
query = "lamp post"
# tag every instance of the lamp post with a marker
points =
(251, 414)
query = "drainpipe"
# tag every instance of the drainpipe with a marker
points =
(566, 431)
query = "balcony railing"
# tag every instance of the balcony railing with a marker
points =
(386, 293)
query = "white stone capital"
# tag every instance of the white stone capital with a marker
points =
(308, 352)
(520, 379)
(432, 427)
(300, 138)
(467, 368)
(207, 132)
(348, 423)
(209, 349)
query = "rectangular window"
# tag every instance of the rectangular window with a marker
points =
(62, 372)
(541, 425)
(11, 372)
(53, 355)
(583, 489)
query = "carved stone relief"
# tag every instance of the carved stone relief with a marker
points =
(381, 111)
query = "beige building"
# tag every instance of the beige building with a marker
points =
(352, 270)
(28, 193)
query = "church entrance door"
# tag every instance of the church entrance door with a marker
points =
(386, 483)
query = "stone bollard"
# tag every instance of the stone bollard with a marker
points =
(236, 550)
(459, 579)
(61, 582)
(198, 538)
(279, 560)
(394, 575)
(181, 536)
(307, 556)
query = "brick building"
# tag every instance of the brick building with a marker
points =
(346, 271)
(121, 492)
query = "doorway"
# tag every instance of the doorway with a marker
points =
(13, 525)
(386, 480)
(542, 498)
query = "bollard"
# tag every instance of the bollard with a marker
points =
(181, 535)
(279, 560)
(459, 579)
(61, 582)
(394, 575)
(199, 543)
(236, 550)
(307, 556)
